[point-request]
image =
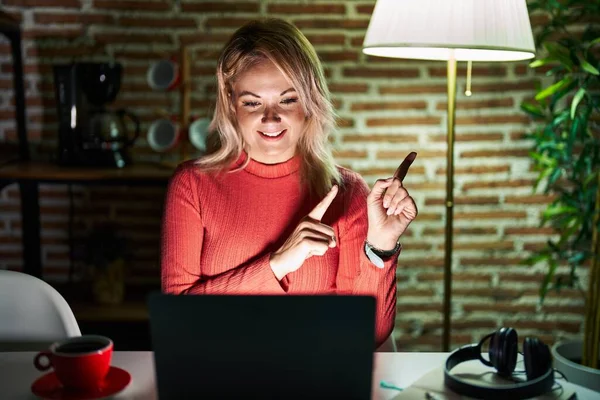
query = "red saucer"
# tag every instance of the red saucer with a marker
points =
(48, 387)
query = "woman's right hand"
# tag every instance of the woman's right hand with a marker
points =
(310, 238)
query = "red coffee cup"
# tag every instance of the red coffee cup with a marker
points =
(80, 362)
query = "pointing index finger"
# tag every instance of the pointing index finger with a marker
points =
(320, 209)
(403, 168)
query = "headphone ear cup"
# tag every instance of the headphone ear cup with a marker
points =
(529, 357)
(494, 351)
(536, 356)
(506, 348)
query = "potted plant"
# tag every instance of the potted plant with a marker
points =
(104, 252)
(566, 153)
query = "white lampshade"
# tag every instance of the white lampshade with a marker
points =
(473, 30)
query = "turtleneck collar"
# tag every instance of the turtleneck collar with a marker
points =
(269, 170)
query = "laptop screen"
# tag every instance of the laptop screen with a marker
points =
(295, 346)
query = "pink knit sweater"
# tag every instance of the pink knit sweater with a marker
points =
(220, 229)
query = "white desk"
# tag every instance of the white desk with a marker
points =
(17, 373)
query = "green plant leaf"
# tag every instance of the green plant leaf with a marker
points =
(556, 174)
(577, 258)
(576, 99)
(543, 159)
(559, 284)
(569, 227)
(549, 91)
(558, 210)
(589, 179)
(562, 92)
(575, 127)
(553, 246)
(558, 5)
(536, 258)
(559, 119)
(533, 5)
(533, 110)
(582, 167)
(592, 43)
(555, 70)
(588, 67)
(542, 175)
(540, 62)
(559, 53)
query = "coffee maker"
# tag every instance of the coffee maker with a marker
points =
(89, 132)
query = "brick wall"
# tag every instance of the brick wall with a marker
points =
(387, 108)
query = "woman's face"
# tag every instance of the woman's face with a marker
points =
(269, 113)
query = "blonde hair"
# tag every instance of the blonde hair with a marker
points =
(285, 46)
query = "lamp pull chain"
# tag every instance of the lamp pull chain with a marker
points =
(468, 89)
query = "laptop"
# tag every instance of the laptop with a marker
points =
(267, 347)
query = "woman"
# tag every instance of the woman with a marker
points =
(267, 211)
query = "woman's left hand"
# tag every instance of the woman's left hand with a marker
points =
(390, 208)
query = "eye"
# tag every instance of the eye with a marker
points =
(251, 104)
(290, 100)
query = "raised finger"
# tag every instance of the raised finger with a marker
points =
(320, 209)
(403, 168)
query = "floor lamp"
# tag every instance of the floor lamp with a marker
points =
(452, 31)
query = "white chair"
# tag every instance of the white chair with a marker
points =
(32, 313)
(389, 345)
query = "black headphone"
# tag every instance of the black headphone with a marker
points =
(503, 357)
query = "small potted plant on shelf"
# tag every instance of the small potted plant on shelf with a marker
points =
(104, 252)
(566, 153)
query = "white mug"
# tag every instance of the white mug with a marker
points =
(198, 132)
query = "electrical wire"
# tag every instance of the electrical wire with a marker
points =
(468, 89)
(562, 375)
(557, 388)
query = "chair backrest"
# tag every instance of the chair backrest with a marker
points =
(389, 346)
(32, 313)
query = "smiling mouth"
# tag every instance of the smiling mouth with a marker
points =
(272, 134)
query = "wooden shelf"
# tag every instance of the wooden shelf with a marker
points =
(129, 311)
(49, 172)
(133, 308)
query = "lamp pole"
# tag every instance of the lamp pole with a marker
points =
(449, 201)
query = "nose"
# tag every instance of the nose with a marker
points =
(269, 115)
